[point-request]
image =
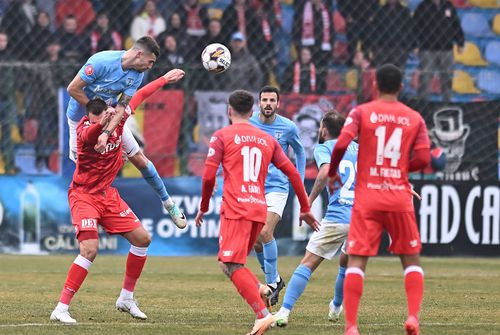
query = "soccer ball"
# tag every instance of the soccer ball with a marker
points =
(216, 58)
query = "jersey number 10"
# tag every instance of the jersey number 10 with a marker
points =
(252, 161)
(390, 149)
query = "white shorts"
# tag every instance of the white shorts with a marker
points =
(276, 202)
(328, 240)
(130, 145)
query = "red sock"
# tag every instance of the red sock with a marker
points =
(414, 285)
(247, 286)
(76, 275)
(133, 271)
(353, 289)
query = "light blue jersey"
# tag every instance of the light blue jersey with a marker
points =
(341, 202)
(105, 79)
(287, 134)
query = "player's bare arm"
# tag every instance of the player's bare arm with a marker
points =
(174, 76)
(75, 90)
(319, 183)
(112, 124)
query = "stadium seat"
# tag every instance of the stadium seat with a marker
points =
(463, 83)
(215, 13)
(475, 24)
(496, 24)
(413, 4)
(460, 3)
(351, 80)
(335, 81)
(485, 3)
(492, 52)
(470, 56)
(30, 130)
(338, 22)
(489, 81)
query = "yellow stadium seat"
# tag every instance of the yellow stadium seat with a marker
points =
(463, 83)
(128, 43)
(351, 79)
(130, 171)
(471, 55)
(496, 24)
(485, 3)
(215, 13)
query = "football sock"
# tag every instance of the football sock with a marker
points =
(296, 286)
(260, 258)
(154, 180)
(353, 289)
(248, 287)
(135, 263)
(414, 286)
(338, 296)
(76, 275)
(270, 261)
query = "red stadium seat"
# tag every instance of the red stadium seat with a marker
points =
(30, 132)
(460, 3)
(338, 22)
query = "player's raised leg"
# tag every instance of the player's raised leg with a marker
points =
(150, 174)
(76, 275)
(139, 240)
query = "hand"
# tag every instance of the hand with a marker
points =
(199, 218)
(460, 50)
(107, 115)
(334, 183)
(174, 76)
(309, 218)
(415, 51)
(415, 194)
(102, 140)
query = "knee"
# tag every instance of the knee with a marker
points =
(144, 240)
(89, 251)
(139, 160)
(266, 235)
(258, 246)
(229, 268)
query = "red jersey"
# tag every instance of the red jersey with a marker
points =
(388, 133)
(94, 171)
(245, 153)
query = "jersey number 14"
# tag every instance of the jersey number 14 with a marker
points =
(390, 149)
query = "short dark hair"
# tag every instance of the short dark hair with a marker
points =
(149, 44)
(241, 101)
(333, 122)
(389, 78)
(270, 89)
(96, 106)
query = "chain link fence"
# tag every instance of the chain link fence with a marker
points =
(449, 52)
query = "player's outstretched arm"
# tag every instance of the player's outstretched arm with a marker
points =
(75, 90)
(207, 187)
(319, 183)
(170, 77)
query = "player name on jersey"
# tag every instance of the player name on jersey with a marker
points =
(376, 171)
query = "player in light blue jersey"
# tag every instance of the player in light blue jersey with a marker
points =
(325, 243)
(106, 75)
(286, 133)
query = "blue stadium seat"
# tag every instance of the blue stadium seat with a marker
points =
(476, 24)
(492, 52)
(489, 81)
(413, 4)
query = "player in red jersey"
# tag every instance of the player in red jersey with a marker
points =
(94, 202)
(392, 141)
(245, 153)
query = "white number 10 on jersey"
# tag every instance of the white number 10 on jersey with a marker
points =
(390, 149)
(252, 161)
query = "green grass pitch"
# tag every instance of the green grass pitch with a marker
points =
(189, 295)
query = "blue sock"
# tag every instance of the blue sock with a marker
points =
(338, 296)
(260, 257)
(154, 180)
(296, 286)
(271, 261)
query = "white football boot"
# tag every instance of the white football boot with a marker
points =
(130, 306)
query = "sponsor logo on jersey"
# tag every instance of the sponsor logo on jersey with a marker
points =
(413, 243)
(249, 139)
(389, 118)
(237, 139)
(227, 253)
(89, 223)
(126, 212)
(89, 70)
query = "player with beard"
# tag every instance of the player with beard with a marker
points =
(325, 243)
(276, 187)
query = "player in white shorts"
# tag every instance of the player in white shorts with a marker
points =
(326, 243)
(286, 133)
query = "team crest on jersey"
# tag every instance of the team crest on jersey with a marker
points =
(130, 81)
(89, 70)
(278, 134)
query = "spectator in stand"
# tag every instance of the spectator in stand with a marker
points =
(147, 22)
(214, 33)
(17, 22)
(81, 10)
(391, 34)
(244, 72)
(313, 29)
(178, 31)
(52, 52)
(73, 46)
(39, 37)
(169, 59)
(302, 76)
(7, 105)
(358, 15)
(437, 28)
(194, 18)
(120, 15)
(101, 37)
(238, 17)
